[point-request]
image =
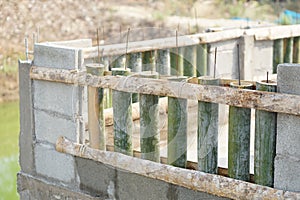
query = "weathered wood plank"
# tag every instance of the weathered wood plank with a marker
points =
(191, 179)
(272, 102)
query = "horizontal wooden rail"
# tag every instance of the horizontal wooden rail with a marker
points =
(195, 180)
(265, 33)
(268, 101)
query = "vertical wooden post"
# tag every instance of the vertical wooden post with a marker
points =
(208, 114)
(189, 61)
(163, 61)
(122, 112)
(265, 140)
(201, 60)
(288, 56)
(96, 122)
(148, 61)
(149, 123)
(239, 139)
(134, 62)
(277, 54)
(177, 129)
(296, 52)
(176, 60)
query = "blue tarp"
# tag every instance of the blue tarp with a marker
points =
(289, 17)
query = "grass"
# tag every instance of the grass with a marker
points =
(9, 132)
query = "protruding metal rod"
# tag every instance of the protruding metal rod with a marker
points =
(239, 70)
(215, 64)
(26, 48)
(267, 76)
(177, 52)
(126, 47)
(98, 45)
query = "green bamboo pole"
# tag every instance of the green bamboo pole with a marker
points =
(265, 140)
(163, 61)
(134, 62)
(189, 61)
(149, 123)
(148, 61)
(201, 60)
(288, 56)
(96, 122)
(177, 129)
(208, 114)
(239, 139)
(122, 110)
(277, 54)
(296, 53)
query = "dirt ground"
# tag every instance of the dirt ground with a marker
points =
(48, 20)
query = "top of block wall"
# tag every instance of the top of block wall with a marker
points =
(62, 55)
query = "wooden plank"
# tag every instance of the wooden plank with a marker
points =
(191, 179)
(272, 102)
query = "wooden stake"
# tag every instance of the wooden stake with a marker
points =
(149, 123)
(239, 139)
(208, 117)
(177, 129)
(265, 140)
(122, 110)
(277, 54)
(96, 122)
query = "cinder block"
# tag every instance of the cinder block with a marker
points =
(187, 194)
(287, 172)
(288, 78)
(96, 177)
(133, 186)
(47, 55)
(56, 97)
(52, 164)
(288, 137)
(49, 126)
(81, 43)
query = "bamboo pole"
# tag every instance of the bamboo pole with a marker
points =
(239, 139)
(288, 55)
(148, 61)
(189, 61)
(296, 53)
(163, 61)
(149, 123)
(134, 62)
(122, 110)
(201, 60)
(96, 122)
(208, 114)
(265, 140)
(191, 179)
(277, 54)
(177, 129)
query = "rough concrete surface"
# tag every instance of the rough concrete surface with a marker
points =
(52, 164)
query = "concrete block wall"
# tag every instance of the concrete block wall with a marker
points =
(287, 159)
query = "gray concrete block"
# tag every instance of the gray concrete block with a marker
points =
(133, 186)
(288, 78)
(33, 188)
(47, 55)
(187, 194)
(288, 136)
(80, 43)
(52, 164)
(286, 174)
(56, 97)
(26, 158)
(95, 177)
(48, 127)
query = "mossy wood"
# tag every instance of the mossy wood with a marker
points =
(208, 114)
(122, 110)
(277, 54)
(239, 139)
(265, 140)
